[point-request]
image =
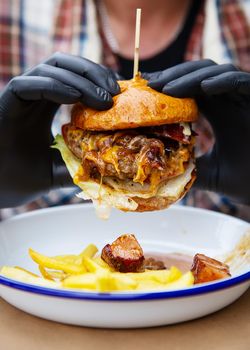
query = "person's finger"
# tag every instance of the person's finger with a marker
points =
(43, 88)
(227, 82)
(158, 80)
(113, 73)
(148, 76)
(92, 95)
(98, 74)
(189, 85)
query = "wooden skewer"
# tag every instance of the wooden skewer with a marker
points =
(137, 42)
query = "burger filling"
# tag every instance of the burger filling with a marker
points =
(147, 155)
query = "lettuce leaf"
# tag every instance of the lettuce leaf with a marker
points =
(72, 163)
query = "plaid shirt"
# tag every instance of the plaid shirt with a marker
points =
(32, 30)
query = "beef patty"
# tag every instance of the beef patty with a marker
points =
(141, 155)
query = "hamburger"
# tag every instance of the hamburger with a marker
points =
(136, 156)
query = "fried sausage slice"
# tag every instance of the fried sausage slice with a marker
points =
(206, 269)
(124, 254)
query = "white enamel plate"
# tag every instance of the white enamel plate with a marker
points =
(66, 230)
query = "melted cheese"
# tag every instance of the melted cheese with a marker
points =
(140, 175)
(109, 155)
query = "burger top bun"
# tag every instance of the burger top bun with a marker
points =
(136, 106)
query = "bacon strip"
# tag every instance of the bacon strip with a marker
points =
(172, 131)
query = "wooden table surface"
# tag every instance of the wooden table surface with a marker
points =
(228, 329)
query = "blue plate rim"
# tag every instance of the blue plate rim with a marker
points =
(70, 294)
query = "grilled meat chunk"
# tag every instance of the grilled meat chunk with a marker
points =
(124, 254)
(206, 269)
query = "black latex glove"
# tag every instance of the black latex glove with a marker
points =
(223, 96)
(28, 166)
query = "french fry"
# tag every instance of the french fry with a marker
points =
(121, 281)
(22, 269)
(69, 259)
(55, 264)
(44, 273)
(185, 280)
(58, 275)
(91, 265)
(27, 277)
(84, 281)
(89, 251)
(17, 273)
(160, 276)
(175, 273)
(103, 280)
(52, 275)
(102, 263)
(149, 285)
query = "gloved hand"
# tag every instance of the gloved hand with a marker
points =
(28, 166)
(223, 96)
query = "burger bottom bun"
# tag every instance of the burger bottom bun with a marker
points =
(158, 202)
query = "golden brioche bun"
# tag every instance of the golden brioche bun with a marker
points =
(136, 106)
